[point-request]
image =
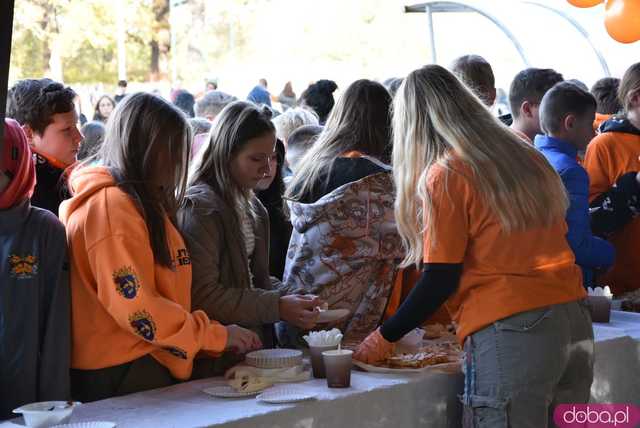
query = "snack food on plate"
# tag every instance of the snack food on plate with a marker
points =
(244, 381)
(429, 354)
(416, 361)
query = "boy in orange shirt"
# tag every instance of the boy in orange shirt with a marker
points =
(46, 111)
(605, 91)
(612, 159)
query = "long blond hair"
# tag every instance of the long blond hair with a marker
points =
(437, 118)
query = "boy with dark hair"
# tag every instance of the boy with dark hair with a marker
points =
(525, 95)
(46, 111)
(605, 91)
(566, 117)
(477, 74)
(35, 338)
(122, 91)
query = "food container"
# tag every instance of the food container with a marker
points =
(274, 358)
(46, 413)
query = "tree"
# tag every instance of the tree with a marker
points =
(161, 39)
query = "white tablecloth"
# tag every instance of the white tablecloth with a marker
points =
(616, 372)
(374, 400)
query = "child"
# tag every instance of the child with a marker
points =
(345, 246)
(566, 115)
(299, 143)
(525, 94)
(46, 111)
(227, 228)
(34, 296)
(133, 328)
(483, 212)
(612, 158)
(270, 192)
(605, 91)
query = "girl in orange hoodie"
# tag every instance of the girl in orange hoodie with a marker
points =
(132, 324)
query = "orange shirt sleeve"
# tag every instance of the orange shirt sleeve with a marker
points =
(598, 166)
(125, 274)
(449, 193)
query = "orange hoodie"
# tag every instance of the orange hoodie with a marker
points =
(610, 155)
(124, 305)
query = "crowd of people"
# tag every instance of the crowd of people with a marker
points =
(164, 239)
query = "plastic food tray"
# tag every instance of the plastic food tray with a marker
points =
(274, 358)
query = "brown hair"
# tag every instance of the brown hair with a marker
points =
(236, 124)
(476, 73)
(147, 137)
(630, 83)
(360, 121)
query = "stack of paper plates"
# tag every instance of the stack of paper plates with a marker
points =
(274, 358)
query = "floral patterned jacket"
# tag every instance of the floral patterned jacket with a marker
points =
(346, 249)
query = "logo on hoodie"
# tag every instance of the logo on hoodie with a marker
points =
(126, 281)
(142, 323)
(176, 352)
(23, 267)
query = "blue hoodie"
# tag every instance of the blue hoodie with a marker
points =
(591, 252)
(259, 95)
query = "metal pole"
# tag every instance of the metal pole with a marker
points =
(6, 23)
(432, 35)
(121, 30)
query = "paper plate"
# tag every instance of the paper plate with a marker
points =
(332, 315)
(285, 395)
(274, 358)
(95, 424)
(447, 367)
(226, 391)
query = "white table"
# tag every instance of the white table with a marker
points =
(617, 364)
(374, 400)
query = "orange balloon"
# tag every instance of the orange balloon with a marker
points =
(622, 20)
(585, 3)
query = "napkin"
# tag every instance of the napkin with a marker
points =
(599, 291)
(323, 338)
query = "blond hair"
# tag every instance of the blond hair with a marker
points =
(435, 119)
(629, 84)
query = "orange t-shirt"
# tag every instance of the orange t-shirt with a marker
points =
(599, 119)
(609, 156)
(503, 274)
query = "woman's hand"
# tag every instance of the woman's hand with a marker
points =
(300, 310)
(374, 348)
(241, 340)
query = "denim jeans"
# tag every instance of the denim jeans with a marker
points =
(517, 369)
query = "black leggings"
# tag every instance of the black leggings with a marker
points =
(138, 375)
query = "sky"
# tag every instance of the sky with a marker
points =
(345, 40)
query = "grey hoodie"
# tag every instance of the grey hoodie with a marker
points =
(34, 308)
